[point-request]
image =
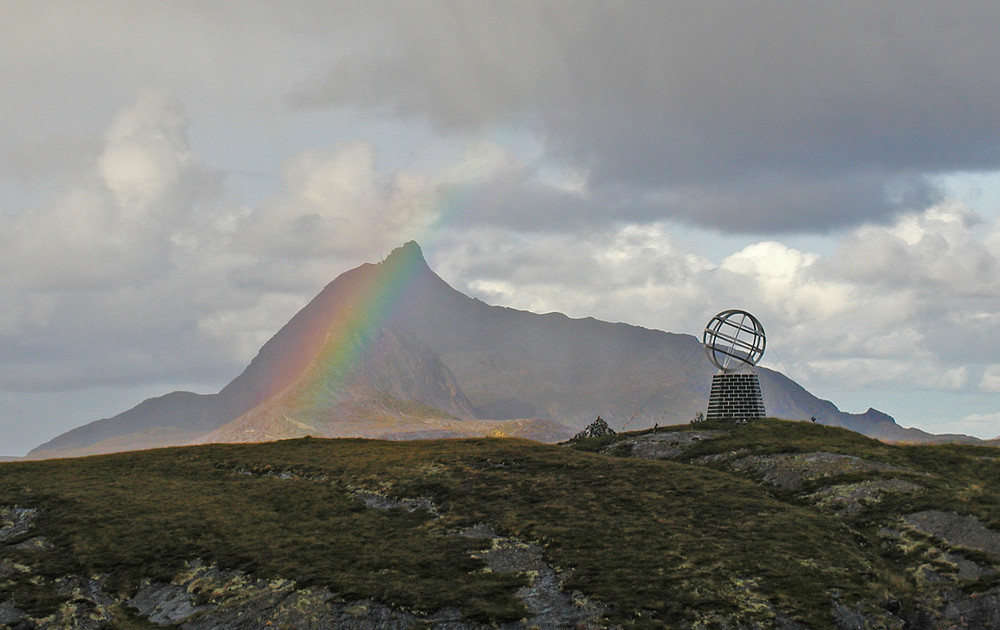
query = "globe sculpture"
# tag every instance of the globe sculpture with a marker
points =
(734, 341)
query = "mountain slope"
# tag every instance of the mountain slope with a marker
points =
(277, 365)
(465, 361)
(513, 363)
(398, 387)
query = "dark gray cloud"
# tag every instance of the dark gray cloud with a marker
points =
(823, 107)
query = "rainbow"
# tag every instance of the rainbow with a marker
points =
(336, 333)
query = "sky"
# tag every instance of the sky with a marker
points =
(178, 179)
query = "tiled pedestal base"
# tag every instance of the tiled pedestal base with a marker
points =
(735, 397)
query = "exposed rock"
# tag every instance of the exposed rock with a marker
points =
(382, 502)
(956, 530)
(850, 619)
(978, 610)
(480, 530)
(15, 521)
(8, 568)
(11, 614)
(716, 458)
(665, 445)
(276, 473)
(35, 543)
(544, 596)
(597, 428)
(967, 569)
(206, 597)
(943, 602)
(165, 604)
(850, 498)
(789, 471)
(938, 565)
(86, 606)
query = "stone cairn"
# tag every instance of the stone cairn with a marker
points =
(597, 428)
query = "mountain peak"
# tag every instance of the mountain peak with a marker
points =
(408, 253)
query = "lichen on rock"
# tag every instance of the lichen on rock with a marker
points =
(850, 499)
(789, 471)
(666, 445)
(15, 521)
(551, 605)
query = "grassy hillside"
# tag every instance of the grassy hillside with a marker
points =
(761, 524)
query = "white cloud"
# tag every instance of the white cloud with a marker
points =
(336, 202)
(114, 224)
(103, 282)
(150, 221)
(990, 381)
(936, 249)
(784, 280)
(753, 118)
(900, 373)
(982, 424)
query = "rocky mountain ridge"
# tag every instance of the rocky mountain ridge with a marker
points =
(468, 366)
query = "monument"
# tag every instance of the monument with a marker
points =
(734, 341)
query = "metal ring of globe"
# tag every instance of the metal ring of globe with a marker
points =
(734, 339)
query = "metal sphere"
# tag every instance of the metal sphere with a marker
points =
(734, 339)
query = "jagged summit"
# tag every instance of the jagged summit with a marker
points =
(409, 253)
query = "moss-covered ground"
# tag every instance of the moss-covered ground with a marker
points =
(660, 543)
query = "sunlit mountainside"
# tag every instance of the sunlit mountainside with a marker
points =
(389, 350)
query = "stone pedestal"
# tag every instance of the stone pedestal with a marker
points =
(735, 397)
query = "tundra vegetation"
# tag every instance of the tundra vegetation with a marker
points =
(772, 523)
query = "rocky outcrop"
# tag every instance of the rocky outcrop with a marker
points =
(661, 445)
(597, 428)
(849, 499)
(956, 530)
(789, 471)
(956, 553)
(206, 597)
(15, 521)
(545, 597)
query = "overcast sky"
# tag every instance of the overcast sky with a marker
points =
(177, 179)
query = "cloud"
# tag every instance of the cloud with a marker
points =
(114, 224)
(933, 250)
(990, 381)
(753, 119)
(146, 265)
(105, 283)
(336, 202)
(133, 245)
(982, 424)
(750, 118)
(149, 262)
